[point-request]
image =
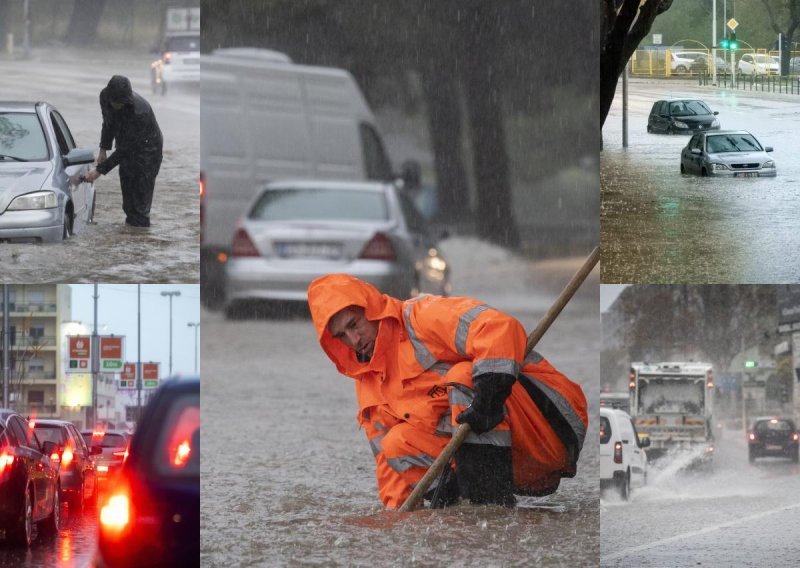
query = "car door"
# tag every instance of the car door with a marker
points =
(66, 143)
(640, 456)
(697, 143)
(39, 471)
(630, 446)
(421, 241)
(660, 121)
(84, 458)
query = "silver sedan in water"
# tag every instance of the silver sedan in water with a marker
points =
(43, 196)
(733, 153)
(296, 231)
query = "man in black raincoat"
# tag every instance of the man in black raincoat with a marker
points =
(129, 120)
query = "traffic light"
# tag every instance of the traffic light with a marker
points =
(750, 364)
(724, 43)
(733, 43)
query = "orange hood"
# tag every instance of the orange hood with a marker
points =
(329, 294)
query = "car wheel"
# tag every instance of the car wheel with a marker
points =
(67, 225)
(649, 129)
(703, 172)
(683, 170)
(21, 532)
(52, 524)
(625, 487)
(680, 69)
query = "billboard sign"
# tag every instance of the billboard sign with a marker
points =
(127, 377)
(150, 375)
(111, 350)
(788, 308)
(79, 351)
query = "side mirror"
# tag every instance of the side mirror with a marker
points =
(716, 112)
(48, 448)
(411, 174)
(768, 149)
(644, 442)
(95, 450)
(696, 151)
(79, 156)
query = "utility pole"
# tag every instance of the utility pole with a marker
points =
(170, 294)
(95, 361)
(196, 327)
(714, 41)
(6, 367)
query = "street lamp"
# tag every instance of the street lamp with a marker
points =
(170, 294)
(196, 326)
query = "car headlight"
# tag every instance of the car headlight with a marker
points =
(719, 167)
(768, 164)
(35, 200)
(680, 124)
(715, 123)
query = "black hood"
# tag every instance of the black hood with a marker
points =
(119, 90)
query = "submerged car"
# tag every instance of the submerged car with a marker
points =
(734, 153)
(43, 195)
(675, 116)
(151, 516)
(773, 436)
(296, 231)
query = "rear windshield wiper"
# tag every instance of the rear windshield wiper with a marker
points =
(15, 158)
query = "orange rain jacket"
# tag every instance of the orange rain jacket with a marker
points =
(431, 345)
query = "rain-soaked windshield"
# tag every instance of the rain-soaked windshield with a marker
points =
(21, 137)
(688, 108)
(664, 396)
(731, 143)
(317, 204)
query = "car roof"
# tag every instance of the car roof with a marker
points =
(718, 132)
(325, 185)
(763, 418)
(51, 422)
(607, 410)
(20, 106)
(117, 432)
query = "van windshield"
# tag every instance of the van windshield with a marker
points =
(320, 204)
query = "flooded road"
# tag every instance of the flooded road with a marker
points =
(108, 251)
(287, 477)
(74, 547)
(659, 226)
(738, 515)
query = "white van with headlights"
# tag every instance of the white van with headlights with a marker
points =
(623, 462)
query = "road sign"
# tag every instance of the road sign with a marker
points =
(79, 352)
(150, 375)
(127, 377)
(732, 23)
(111, 352)
(657, 38)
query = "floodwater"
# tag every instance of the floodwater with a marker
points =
(287, 478)
(109, 251)
(659, 226)
(736, 515)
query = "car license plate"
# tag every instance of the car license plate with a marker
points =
(746, 174)
(309, 250)
(774, 447)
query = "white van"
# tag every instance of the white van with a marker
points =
(623, 462)
(265, 118)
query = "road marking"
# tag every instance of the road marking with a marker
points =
(706, 530)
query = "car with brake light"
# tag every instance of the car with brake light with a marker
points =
(179, 62)
(29, 482)
(731, 153)
(150, 517)
(76, 467)
(623, 461)
(112, 448)
(772, 436)
(681, 116)
(43, 193)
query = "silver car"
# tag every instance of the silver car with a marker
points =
(296, 231)
(734, 153)
(42, 193)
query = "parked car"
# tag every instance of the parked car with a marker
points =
(681, 61)
(151, 516)
(76, 467)
(179, 61)
(623, 462)
(683, 116)
(758, 64)
(28, 482)
(772, 436)
(702, 64)
(42, 193)
(734, 153)
(295, 231)
(794, 66)
(112, 449)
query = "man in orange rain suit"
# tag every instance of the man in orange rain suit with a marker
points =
(424, 365)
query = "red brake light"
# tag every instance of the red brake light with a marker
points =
(752, 436)
(182, 454)
(115, 515)
(55, 458)
(66, 456)
(795, 436)
(379, 247)
(243, 245)
(618, 452)
(6, 458)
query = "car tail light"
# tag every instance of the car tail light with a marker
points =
(6, 458)
(618, 452)
(379, 247)
(752, 436)
(66, 456)
(243, 245)
(116, 514)
(121, 454)
(182, 453)
(795, 437)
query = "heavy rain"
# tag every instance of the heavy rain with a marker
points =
(504, 135)
(722, 476)
(67, 63)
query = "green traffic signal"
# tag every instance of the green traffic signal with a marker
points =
(734, 44)
(724, 43)
(750, 364)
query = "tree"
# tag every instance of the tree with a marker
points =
(624, 24)
(22, 349)
(793, 9)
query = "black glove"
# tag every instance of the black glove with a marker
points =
(486, 410)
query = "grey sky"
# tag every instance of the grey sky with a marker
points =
(117, 314)
(609, 293)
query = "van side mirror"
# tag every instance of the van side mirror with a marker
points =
(79, 156)
(411, 174)
(644, 442)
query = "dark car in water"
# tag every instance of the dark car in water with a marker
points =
(772, 437)
(28, 482)
(76, 467)
(681, 116)
(151, 515)
(113, 449)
